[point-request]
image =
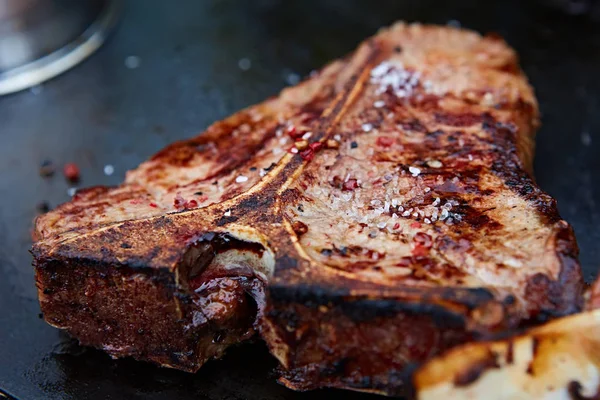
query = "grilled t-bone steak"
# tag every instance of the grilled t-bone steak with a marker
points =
(367, 219)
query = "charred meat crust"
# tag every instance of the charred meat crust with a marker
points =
(150, 314)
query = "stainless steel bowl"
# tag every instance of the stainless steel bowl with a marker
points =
(40, 39)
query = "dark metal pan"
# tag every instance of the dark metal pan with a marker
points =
(169, 70)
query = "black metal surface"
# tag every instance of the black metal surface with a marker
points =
(105, 113)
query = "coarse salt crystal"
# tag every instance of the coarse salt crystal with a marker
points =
(367, 127)
(241, 179)
(244, 64)
(379, 104)
(227, 213)
(381, 225)
(436, 202)
(427, 221)
(444, 214)
(434, 163)
(294, 150)
(277, 150)
(307, 135)
(394, 202)
(375, 202)
(109, 170)
(386, 207)
(406, 213)
(380, 70)
(470, 157)
(133, 62)
(427, 189)
(414, 171)
(337, 137)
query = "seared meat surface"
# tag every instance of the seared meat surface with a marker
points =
(369, 218)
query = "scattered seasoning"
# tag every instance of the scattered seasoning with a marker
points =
(153, 205)
(301, 145)
(396, 226)
(384, 141)
(37, 89)
(227, 213)
(427, 189)
(253, 168)
(292, 79)
(337, 137)
(190, 204)
(373, 234)
(43, 207)
(47, 169)
(367, 127)
(316, 146)
(244, 64)
(586, 138)
(294, 150)
(133, 62)
(415, 225)
(327, 252)
(434, 163)
(350, 184)
(444, 214)
(198, 193)
(393, 76)
(470, 157)
(414, 171)
(307, 154)
(241, 179)
(300, 208)
(71, 172)
(381, 224)
(379, 104)
(353, 145)
(109, 170)
(299, 227)
(307, 135)
(332, 144)
(291, 130)
(179, 201)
